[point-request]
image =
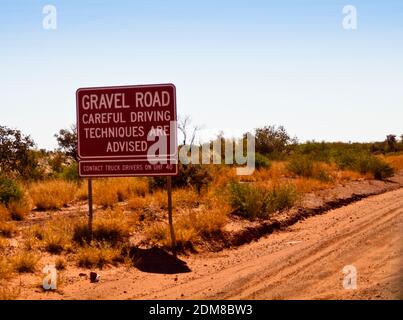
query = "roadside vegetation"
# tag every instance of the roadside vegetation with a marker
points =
(205, 197)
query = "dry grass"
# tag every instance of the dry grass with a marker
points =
(276, 172)
(207, 221)
(4, 213)
(159, 233)
(57, 235)
(5, 269)
(20, 209)
(7, 229)
(3, 244)
(113, 228)
(396, 161)
(82, 192)
(24, 262)
(181, 198)
(54, 237)
(60, 264)
(52, 194)
(185, 198)
(348, 175)
(306, 185)
(157, 199)
(139, 203)
(33, 237)
(98, 256)
(107, 192)
(190, 224)
(9, 293)
(221, 174)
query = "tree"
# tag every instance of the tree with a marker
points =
(272, 139)
(188, 131)
(16, 154)
(67, 141)
(391, 143)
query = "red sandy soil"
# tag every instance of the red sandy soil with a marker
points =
(302, 260)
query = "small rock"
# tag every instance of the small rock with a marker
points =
(94, 277)
(82, 274)
(176, 279)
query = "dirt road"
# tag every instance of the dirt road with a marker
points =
(303, 262)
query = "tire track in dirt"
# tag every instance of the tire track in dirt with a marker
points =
(330, 248)
(319, 259)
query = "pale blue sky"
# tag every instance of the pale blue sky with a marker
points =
(237, 65)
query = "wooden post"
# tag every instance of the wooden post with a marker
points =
(171, 225)
(90, 210)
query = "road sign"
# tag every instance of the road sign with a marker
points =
(126, 168)
(127, 130)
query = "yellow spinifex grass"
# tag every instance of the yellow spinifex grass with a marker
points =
(52, 194)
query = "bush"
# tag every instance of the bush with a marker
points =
(60, 264)
(257, 202)
(304, 166)
(24, 263)
(56, 235)
(160, 233)
(261, 162)
(19, 209)
(378, 168)
(7, 229)
(273, 141)
(191, 225)
(54, 243)
(108, 192)
(70, 173)
(5, 269)
(98, 256)
(9, 190)
(301, 166)
(52, 194)
(4, 214)
(16, 154)
(112, 230)
(364, 163)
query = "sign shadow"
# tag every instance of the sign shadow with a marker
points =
(157, 260)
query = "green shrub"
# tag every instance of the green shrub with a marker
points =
(70, 173)
(9, 190)
(301, 165)
(261, 161)
(283, 197)
(347, 160)
(377, 167)
(320, 151)
(257, 202)
(364, 163)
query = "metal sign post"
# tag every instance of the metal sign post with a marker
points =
(170, 220)
(90, 209)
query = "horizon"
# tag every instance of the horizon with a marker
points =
(237, 66)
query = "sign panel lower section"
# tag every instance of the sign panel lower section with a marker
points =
(125, 168)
